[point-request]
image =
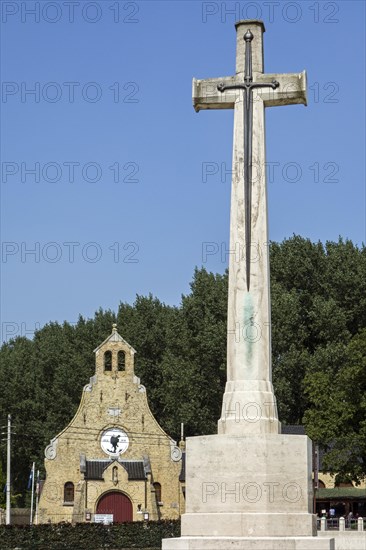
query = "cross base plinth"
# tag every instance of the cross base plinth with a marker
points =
(241, 524)
(249, 407)
(251, 492)
(248, 543)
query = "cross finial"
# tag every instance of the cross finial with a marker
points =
(248, 36)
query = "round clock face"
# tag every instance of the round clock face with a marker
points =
(114, 441)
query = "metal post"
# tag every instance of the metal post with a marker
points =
(316, 472)
(360, 524)
(8, 477)
(37, 497)
(32, 495)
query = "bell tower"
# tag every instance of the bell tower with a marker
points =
(114, 358)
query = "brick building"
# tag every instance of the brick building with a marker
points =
(113, 462)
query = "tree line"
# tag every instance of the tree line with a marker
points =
(318, 294)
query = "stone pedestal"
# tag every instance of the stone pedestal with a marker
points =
(249, 492)
(244, 543)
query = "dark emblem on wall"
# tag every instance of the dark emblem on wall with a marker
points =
(114, 442)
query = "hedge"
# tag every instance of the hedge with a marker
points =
(88, 536)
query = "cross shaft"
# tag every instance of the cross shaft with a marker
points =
(249, 370)
(248, 86)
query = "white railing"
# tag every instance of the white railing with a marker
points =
(341, 524)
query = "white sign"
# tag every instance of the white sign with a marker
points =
(114, 442)
(103, 518)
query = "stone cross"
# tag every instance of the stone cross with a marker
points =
(249, 404)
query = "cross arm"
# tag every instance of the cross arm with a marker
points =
(291, 89)
(205, 94)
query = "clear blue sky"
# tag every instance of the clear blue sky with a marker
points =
(113, 89)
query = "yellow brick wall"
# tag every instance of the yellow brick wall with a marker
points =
(328, 481)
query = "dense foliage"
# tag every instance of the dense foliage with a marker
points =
(318, 352)
(85, 536)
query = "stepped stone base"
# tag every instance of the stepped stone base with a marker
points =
(248, 543)
(249, 525)
(251, 402)
(249, 492)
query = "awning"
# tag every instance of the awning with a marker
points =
(338, 493)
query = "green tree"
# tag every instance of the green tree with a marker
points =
(336, 417)
(318, 297)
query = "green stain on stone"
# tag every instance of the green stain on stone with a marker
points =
(248, 316)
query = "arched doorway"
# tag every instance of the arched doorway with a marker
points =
(115, 503)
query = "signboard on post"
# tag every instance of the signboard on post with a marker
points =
(103, 518)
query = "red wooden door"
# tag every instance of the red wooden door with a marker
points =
(115, 503)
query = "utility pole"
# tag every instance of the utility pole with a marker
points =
(37, 498)
(8, 471)
(316, 472)
(32, 497)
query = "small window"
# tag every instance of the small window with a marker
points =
(108, 361)
(157, 488)
(121, 360)
(69, 492)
